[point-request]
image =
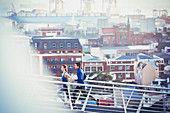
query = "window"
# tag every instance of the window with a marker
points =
(127, 75)
(46, 59)
(70, 51)
(112, 67)
(87, 69)
(120, 42)
(70, 66)
(54, 52)
(127, 67)
(76, 45)
(45, 45)
(78, 51)
(78, 59)
(60, 69)
(124, 35)
(54, 45)
(62, 51)
(61, 45)
(62, 59)
(120, 36)
(54, 59)
(120, 75)
(68, 45)
(100, 69)
(54, 67)
(70, 59)
(125, 41)
(36, 45)
(93, 68)
(120, 67)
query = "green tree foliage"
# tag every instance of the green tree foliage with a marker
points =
(101, 76)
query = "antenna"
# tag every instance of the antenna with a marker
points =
(13, 8)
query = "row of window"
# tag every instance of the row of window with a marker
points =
(88, 69)
(55, 67)
(54, 45)
(120, 36)
(55, 52)
(113, 67)
(62, 59)
(93, 63)
(120, 75)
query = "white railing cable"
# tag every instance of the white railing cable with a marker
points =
(114, 98)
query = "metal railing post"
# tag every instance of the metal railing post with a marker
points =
(140, 105)
(70, 97)
(114, 94)
(164, 104)
(129, 99)
(85, 103)
(123, 102)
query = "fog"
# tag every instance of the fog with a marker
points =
(22, 92)
(124, 6)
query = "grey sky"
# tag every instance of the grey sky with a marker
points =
(124, 6)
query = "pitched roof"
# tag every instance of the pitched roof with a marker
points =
(126, 58)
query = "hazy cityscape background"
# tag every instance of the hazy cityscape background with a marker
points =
(18, 86)
(124, 6)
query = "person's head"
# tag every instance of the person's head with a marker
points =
(77, 65)
(64, 68)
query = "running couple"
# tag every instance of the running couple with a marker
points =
(81, 76)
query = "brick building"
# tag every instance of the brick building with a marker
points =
(94, 64)
(94, 42)
(124, 67)
(50, 31)
(50, 53)
(121, 35)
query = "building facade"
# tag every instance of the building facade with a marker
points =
(117, 36)
(146, 73)
(122, 68)
(94, 64)
(121, 35)
(51, 53)
(50, 31)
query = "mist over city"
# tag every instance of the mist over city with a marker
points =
(85, 56)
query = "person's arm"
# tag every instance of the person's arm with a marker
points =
(78, 76)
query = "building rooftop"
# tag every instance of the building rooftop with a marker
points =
(51, 37)
(95, 59)
(89, 57)
(126, 58)
(139, 47)
(142, 56)
(166, 57)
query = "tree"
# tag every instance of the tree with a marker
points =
(107, 56)
(101, 76)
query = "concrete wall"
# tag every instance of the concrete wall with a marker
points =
(149, 74)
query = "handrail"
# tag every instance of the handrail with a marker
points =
(135, 85)
(127, 99)
(115, 83)
(99, 86)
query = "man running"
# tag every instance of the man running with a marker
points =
(81, 76)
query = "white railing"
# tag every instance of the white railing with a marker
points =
(111, 97)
